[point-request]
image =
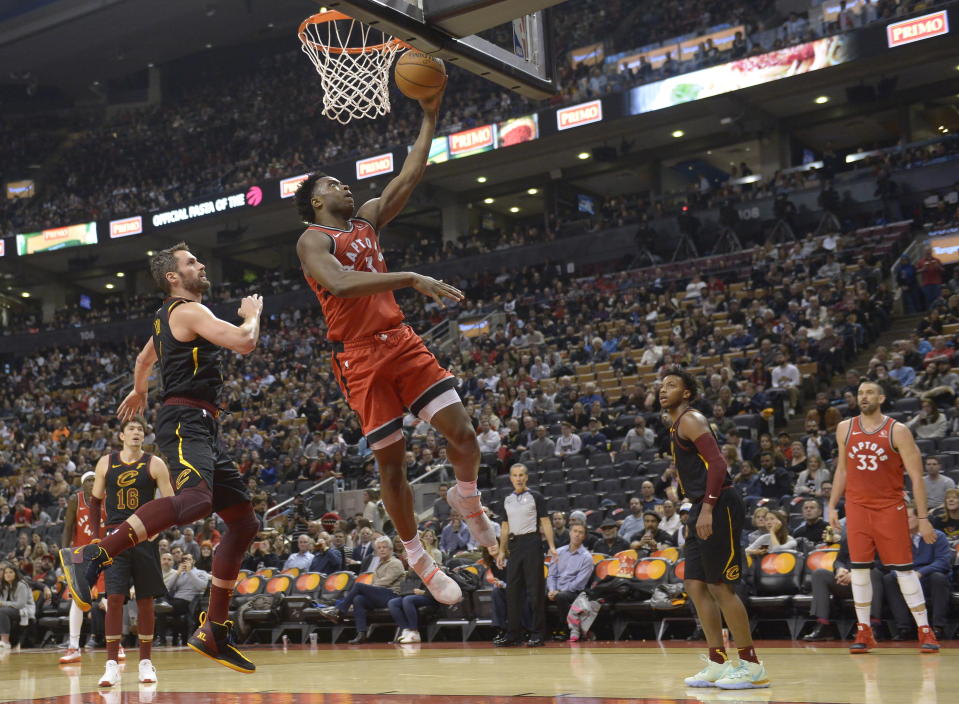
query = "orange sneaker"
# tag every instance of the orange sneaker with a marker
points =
(927, 641)
(864, 642)
(72, 655)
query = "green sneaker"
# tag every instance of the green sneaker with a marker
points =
(708, 676)
(745, 675)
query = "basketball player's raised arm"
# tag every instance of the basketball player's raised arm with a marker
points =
(903, 441)
(196, 318)
(161, 475)
(136, 401)
(839, 476)
(313, 248)
(382, 210)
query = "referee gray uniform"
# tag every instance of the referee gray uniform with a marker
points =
(524, 571)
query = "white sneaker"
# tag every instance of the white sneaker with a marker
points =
(413, 636)
(148, 673)
(72, 655)
(471, 509)
(440, 584)
(111, 675)
(4, 645)
(746, 675)
(708, 676)
(121, 656)
(404, 636)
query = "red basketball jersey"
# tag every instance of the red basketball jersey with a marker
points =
(357, 249)
(82, 530)
(874, 469)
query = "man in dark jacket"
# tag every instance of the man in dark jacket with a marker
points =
(326, 559)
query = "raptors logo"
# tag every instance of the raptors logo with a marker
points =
(732, 573)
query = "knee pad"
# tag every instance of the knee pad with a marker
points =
(193, 503)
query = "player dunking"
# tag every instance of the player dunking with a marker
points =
(79, 530)
(124, 481)
(713, 549)
(188, 341)
(873, 449)
(382, 366)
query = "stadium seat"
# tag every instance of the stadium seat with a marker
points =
(574, 461)
(606, 471)
(577, 474)
(778, 578)
(599, 458)
(247, 589)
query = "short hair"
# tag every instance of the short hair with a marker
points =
(521, 465)
(873, 383)
(384, 539)
(164, 262)
(689, 381)
(304, 196)
(140, 420)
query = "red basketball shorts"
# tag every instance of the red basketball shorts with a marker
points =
(883, 530)
(384, 374)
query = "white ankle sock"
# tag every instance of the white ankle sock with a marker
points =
(911, 590)
(862, 594)
(466, 489)
(76, 624)
(414, 549)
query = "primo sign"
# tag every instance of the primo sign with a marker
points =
(917, 29)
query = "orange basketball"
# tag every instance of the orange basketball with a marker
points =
(419, 76)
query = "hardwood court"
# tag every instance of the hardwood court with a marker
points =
(472, 673)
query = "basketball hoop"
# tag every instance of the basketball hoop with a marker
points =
(354, 69)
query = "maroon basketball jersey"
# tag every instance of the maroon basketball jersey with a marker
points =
(357, 249)
(874, 469)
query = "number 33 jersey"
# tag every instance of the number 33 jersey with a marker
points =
(356, 249)
(874, 469)
(128, 486)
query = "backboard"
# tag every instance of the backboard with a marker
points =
(448, 29)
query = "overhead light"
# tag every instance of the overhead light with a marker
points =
(678, 133)
(150, 252)
(514, 209)
(209, 45)
(24, 294)
(821, 100)
(488, 201)
(120, 274)
(480, 179)
(583, 155)
(709, 152)
(110, 286)
(532, 191)
(150, 64)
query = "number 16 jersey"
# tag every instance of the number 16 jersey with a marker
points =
(874, 469)
(128, 486)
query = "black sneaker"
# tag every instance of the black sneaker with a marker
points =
(81, 567)
(215, 640)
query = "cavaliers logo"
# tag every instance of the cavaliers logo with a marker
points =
(181, 478)
(156, 326)
(127, 478)
(732, 573)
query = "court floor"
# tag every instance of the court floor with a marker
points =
(476, 673)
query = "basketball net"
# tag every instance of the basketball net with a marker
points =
(353, 61)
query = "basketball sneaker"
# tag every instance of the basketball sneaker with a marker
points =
(111, 675)
(471, 509)
(147, 673)
(72, 655)
(81, 567)
(710, 673)
(865, 641)
(440, 584)
(215, 640)
(928, 644)
(745, 675)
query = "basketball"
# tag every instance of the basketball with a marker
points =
(419, 76)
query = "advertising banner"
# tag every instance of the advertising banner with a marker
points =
(3, 248)
(126, 227)
(579, 115)
(20, 189)
(918, 28)
(57, 238)
(252, 197)
(289, 185)
(517, 130)
(744, 73)
(439, 151)
(589, 55)
(374, 166)
(945, 249)
(472, 141)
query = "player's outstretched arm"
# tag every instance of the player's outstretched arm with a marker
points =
(98, 492)
(136, 401)
(903, 441)
(161, 475)
(195, 318)
(382, 210)
(313, 249)
(839, 476)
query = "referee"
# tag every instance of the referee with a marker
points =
(524, 572)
